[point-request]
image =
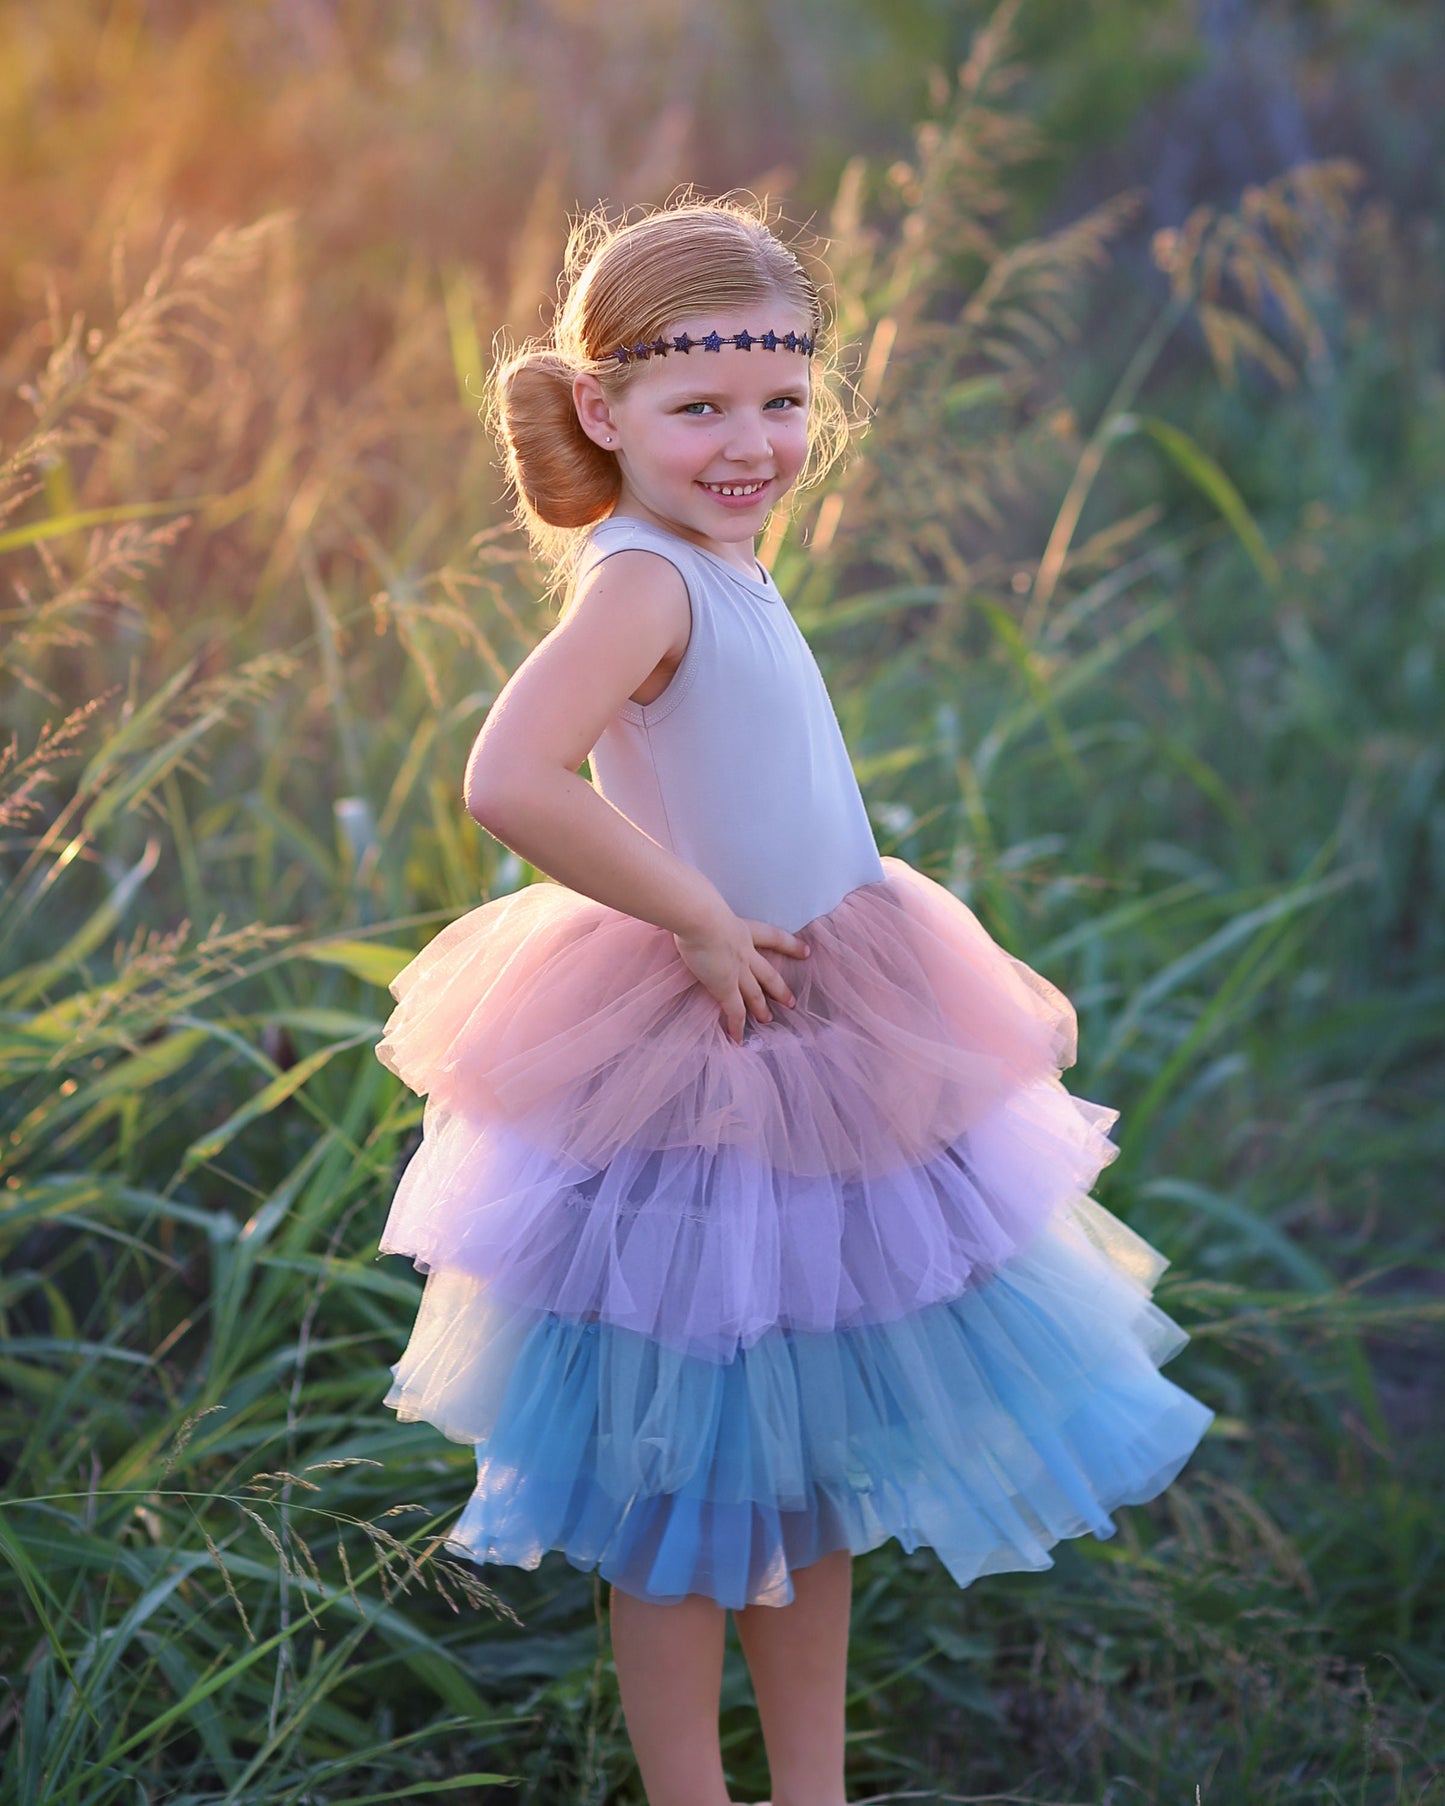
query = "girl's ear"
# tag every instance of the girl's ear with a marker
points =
(592, 409)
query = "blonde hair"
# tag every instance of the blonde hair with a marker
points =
(623, 282)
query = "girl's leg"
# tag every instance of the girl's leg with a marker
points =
(669, 1672)
(798, 1657)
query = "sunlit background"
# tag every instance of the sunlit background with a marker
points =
(1130, 596)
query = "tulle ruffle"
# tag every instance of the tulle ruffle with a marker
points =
(582, 1027)
(987, 1426)
(706, 1250)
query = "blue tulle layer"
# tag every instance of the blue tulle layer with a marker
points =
(987, 1426)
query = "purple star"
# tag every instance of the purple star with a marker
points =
(791, 341)
(643, 351)
(622, 354)
(744, 340)
(659, 347)
(769, 340)
(711, 343)
(683, 343)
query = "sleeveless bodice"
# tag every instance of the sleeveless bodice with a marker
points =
(739, 766)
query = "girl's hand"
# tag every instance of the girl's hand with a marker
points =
(728, 961)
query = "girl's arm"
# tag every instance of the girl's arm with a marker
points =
(522, 783)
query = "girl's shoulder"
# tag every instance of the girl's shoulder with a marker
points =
(626, 533)
(617, 529)
(700, 567)
(617, 535)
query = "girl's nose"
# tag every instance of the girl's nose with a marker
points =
(749, 439)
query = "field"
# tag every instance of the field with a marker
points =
(1131, 598)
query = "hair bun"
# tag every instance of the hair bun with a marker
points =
(564, 477)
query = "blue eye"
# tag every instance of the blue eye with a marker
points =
(778, 402)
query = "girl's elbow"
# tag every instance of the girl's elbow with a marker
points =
(483, 790)
(500, 797)
(485, 804)
(497, 801)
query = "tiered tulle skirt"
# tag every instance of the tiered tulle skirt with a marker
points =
(712, 1310)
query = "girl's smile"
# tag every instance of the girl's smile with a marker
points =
(708, 442)
(739, 497)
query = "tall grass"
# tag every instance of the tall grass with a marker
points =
(1142, 660)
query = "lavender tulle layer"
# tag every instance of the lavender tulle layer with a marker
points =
(710, 1311)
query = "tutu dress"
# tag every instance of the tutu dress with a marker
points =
(710, 1310)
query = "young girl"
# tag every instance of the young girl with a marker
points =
(754, 1214)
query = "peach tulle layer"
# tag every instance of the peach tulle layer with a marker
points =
(584, 1029)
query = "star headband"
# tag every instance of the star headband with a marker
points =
(806, 342)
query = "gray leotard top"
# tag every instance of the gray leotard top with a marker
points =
(739, 766)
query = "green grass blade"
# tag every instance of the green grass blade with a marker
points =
(1193, 462)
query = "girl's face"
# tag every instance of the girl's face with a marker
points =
(708, 441)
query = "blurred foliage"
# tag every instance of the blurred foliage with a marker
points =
(1131, 602)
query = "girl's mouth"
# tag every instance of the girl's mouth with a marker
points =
(737, 492)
